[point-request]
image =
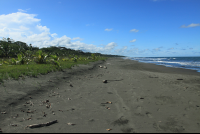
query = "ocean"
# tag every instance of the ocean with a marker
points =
(192, 63)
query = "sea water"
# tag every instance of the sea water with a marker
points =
(192, 63)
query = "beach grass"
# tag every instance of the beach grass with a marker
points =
(32, 69)
(20, 60)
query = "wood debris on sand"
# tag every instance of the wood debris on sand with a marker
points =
(42, 125)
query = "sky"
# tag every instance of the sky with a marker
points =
(134, 28)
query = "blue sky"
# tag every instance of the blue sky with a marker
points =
(135, 28)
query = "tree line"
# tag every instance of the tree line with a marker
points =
(10, 49)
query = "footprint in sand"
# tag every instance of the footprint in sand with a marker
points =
(164, 100)
(138, 111)
(149, 115)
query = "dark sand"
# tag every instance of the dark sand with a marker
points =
(145, 98)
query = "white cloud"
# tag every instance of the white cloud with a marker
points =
(110, 46)
(18, 18)
(20, 10)
(42, 28)
(77, 38)
(191, 25)
(53, 35)
(27, 28)
(108, 29)
(134, 30)
(134, 40)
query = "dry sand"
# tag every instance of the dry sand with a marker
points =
(138, 97)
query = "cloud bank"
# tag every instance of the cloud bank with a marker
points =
(25, 27)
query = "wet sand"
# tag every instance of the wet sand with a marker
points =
(138, 97)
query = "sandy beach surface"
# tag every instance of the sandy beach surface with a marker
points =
(138, 97)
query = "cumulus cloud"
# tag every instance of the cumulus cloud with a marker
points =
(134, 40)
(108, 29)
(191, 25)
(26, 27)
(53, 35)
(134, 30)
(110, 46)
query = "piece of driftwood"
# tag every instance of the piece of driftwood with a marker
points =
(42, 125)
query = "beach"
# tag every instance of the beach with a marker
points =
(137, 97)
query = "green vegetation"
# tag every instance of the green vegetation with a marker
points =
(17, 59)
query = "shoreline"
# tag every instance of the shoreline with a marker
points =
(144, 98)
(167, 65)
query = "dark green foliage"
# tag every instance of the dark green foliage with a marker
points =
(19, 59)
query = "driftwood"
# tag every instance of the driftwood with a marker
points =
(42, 125)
